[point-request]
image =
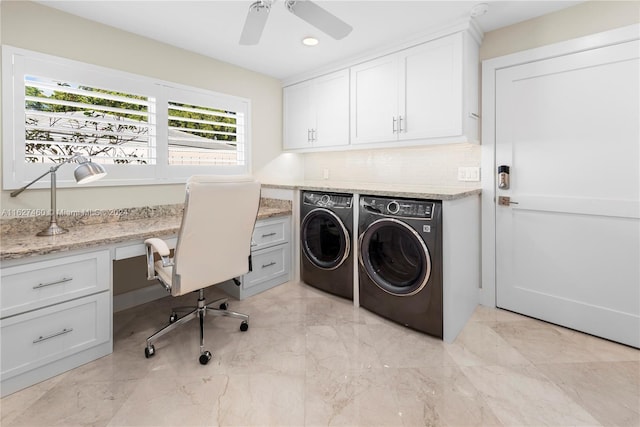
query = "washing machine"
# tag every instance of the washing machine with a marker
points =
(326, 233)
(400, 261)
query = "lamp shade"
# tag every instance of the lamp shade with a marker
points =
(88, 172)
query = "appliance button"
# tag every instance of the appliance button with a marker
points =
(393, 207)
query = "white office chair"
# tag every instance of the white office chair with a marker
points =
(214, 245)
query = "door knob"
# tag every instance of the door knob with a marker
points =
(505, 201)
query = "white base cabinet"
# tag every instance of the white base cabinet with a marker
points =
(270, 259)
(460, 263)
(56, 315)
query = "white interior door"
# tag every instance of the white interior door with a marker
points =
(569, 251)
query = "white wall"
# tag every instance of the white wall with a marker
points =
(76, 38)
(433, 165)
(36, 27)
(438, 165)
(583, 19)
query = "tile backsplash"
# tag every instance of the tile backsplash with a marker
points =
(433, 165)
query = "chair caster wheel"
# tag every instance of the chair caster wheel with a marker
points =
(173, 317)
(205, 357)
(149, 351)
(224, 306)
(244, 326)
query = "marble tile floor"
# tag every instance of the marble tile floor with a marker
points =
(311, 359)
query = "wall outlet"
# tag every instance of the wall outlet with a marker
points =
(325, 173)
(469, 174)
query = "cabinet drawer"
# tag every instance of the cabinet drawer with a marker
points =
(267, 264)
(30, 286)
(44, 336)
(270, 232)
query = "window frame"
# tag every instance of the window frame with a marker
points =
(17, 62)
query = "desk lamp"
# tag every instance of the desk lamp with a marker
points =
(85, 172)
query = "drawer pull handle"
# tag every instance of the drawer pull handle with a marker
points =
(57, 282)
(268, 265)
(57, 334)
(269, 234)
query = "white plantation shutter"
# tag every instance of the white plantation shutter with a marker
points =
(62, 118)
(143, 130)
(200, 135)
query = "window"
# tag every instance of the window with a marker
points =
(204, 136)
(62, 118)
(143, 130)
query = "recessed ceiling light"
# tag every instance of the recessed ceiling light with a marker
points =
(309, 41)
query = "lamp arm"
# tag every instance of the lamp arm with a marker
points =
(20, 190)
(51, 170)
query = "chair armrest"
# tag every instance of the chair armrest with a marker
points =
(159, 246)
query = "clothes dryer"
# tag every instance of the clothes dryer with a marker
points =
(326, 232)
(400, 261)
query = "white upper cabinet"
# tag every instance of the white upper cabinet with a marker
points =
(316, 112)
(298, 118)
(430, 90)
(417, 94)
(374, 100)
(423, 94)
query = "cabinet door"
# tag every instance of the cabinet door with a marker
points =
(298, 120)
(431, 89)
(41, 337)
(331, 95)
(374, 100)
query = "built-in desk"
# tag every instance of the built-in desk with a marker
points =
(56, 297)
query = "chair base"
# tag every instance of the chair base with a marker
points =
(199, 312)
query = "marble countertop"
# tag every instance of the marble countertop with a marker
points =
(382, 189)
(21, 242)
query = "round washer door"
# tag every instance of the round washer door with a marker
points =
(395, 257)
(325, 240)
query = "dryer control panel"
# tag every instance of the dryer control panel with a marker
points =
(419, 209)
(327, 200)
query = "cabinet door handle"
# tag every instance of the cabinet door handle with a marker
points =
(394, 125)
(309, 135)
(400, 125)
(269, 234)
(268, 265)
(313, 135)
(57, 282)
(48, 337)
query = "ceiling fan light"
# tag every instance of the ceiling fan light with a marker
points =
(310, 41)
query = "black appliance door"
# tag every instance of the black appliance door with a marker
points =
(325, 240)
(395, 257)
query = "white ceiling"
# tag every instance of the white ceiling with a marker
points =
(213, 27)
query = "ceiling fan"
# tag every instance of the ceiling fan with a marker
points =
(303, 9)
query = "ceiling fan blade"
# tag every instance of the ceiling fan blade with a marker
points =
(255, 22)
(319, 18)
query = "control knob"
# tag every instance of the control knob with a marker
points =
(393, 207)
(325, 199)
